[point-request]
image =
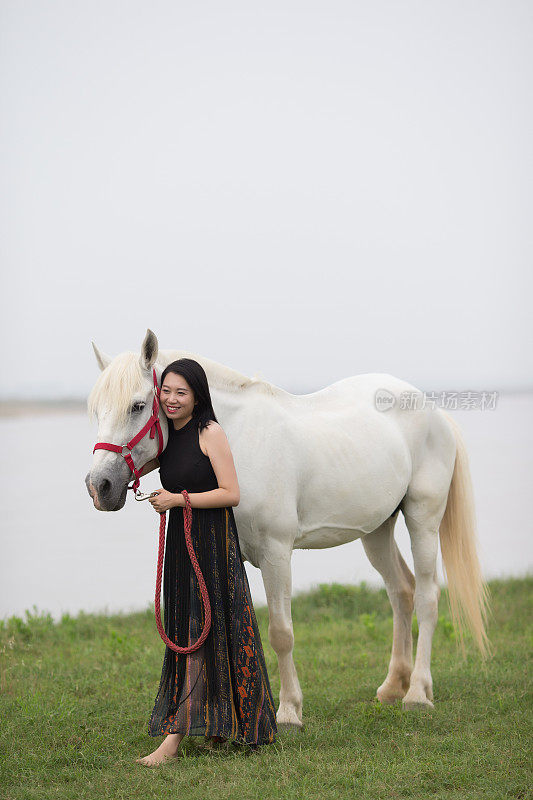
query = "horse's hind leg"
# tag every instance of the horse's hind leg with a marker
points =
(383, 554)
(423, 511)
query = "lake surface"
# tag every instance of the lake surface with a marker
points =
(60, 554)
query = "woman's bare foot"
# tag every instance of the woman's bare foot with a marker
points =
(166, 751)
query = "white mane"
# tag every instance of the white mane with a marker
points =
(116, 386)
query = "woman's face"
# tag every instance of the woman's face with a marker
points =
(177, 398)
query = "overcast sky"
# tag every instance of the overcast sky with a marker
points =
(310, 190)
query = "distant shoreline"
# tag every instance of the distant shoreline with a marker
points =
(24, 408)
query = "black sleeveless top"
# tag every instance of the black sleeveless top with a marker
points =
(182, 463)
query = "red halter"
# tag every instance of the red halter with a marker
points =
(152, 425)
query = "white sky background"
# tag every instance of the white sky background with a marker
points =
(306, 189)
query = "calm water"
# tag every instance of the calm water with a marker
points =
(60, 554)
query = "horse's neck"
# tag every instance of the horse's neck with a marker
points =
(230, 389)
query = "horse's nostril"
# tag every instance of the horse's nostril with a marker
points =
(104, 488)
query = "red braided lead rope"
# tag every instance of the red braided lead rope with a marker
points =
(187, 520)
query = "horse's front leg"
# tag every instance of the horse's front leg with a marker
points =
(275, 565)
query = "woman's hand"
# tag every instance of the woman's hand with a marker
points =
(164, 500)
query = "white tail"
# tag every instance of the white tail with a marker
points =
(467, 591)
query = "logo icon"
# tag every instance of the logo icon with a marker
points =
(384, 400)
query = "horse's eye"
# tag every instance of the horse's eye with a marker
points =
(136, 407)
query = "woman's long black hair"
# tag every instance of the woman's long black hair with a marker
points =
(194, 374)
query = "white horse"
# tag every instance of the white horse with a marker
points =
(319, 470)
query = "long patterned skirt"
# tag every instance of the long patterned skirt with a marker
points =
(221, 689)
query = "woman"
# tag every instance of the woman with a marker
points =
(220, 691)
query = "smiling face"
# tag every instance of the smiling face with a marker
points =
(177, 399)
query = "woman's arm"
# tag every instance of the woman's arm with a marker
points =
(216, 443)
(215, 498)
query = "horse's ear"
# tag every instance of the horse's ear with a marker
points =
(149, 350)
(102, 359)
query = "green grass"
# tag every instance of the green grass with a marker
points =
(76, 697)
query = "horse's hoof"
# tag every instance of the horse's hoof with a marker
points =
(389, 696)
(388, 700)
(419, 698)
(290, 727)
(417, 704)
(288, 719)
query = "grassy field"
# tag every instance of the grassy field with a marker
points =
(76, 697)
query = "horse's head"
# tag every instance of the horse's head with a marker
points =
(122, 400)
